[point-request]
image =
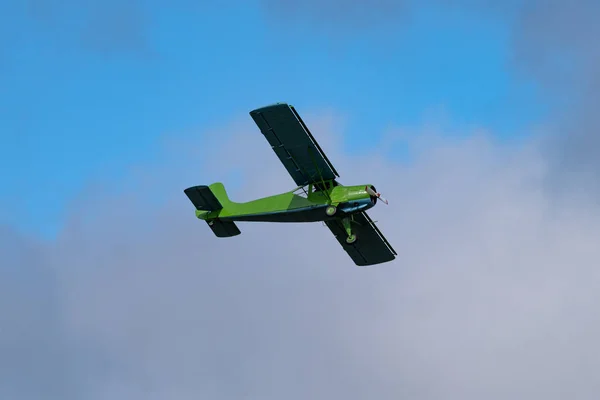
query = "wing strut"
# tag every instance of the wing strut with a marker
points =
(320, 174)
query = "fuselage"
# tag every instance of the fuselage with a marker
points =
(303, 204)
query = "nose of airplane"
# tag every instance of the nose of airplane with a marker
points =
(374, 194)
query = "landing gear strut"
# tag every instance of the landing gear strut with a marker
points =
(351, 236)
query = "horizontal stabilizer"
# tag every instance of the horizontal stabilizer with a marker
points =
(223, 228)
(203, 198)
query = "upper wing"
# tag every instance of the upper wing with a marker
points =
(293, 143)
(370, 247)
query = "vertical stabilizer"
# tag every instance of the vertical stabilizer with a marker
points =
(212, 198)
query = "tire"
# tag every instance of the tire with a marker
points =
(330, 211)
(351, 239)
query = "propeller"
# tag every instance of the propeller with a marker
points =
(373, 193)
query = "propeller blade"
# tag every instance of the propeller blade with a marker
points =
(373, 193)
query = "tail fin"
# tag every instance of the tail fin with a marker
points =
(218, 190)
(204, 199)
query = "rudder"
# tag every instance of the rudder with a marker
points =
(218, 190)
(206, 198)
(203, 198)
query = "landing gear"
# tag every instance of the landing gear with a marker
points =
(351, 236)
(330, 211)
(351, 239)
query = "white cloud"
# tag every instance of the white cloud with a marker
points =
(492, 295)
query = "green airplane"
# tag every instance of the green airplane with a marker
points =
(317, 197)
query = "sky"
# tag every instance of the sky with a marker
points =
(475, 119)
(84, 100)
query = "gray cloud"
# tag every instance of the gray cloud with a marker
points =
(493, 294)
(556, 40)
(556, 45)
(32, 340)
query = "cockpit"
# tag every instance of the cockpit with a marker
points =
(319, 187)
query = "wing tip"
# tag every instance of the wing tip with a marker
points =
(268, 107)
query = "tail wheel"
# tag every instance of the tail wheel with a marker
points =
(351, 239)
(330, 211)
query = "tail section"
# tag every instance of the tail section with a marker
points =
(203, 198)
(209, 200)
(223, 228)
(219, 192)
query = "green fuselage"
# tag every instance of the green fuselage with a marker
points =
(306, 204)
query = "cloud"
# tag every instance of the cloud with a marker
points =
(554, 35)
(492, 294)
(32, 340)
(556, 45)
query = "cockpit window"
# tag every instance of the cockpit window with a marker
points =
(319, 186)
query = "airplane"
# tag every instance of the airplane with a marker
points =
(317, 197)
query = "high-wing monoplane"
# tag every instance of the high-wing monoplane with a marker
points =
(317, 197)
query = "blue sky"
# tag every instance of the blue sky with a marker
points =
(80, 103)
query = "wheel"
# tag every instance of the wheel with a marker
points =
(351, 239)
(211, 223)
(330, 211)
